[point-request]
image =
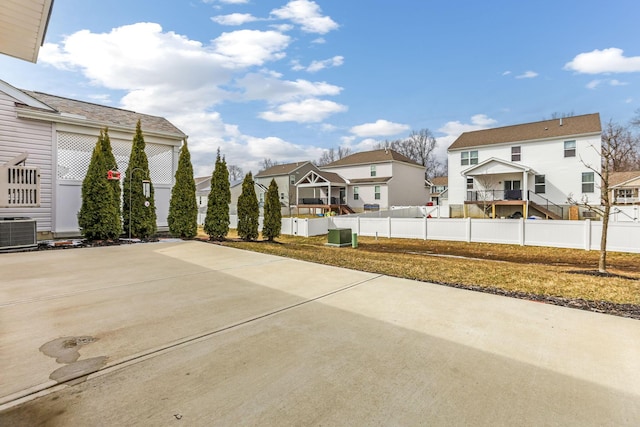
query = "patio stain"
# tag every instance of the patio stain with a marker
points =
(66, 350)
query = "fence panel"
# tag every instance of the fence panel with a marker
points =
(506, 231)
(447, 229)
(621, 236)
(317, 226)
(374, 227)
(407, 228)
(558, 234)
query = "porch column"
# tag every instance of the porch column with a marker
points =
(297, 199)
(329, 197)
(525, 185)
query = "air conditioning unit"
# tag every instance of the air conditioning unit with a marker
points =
(17, 233)
(589, 215)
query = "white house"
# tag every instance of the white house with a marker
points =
(375, 179)
(526, 169)
(57, 135)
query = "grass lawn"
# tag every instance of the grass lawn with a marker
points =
(542, 271)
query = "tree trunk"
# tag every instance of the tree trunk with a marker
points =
(602, 262)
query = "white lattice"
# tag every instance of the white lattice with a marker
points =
(74, 156)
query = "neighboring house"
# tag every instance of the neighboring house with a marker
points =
(526, 169)
(57, 136)
(286, 176)
(203, 188)
(438, 189)
(625, 187)
(375, 179)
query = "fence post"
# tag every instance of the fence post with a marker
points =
(425, 228)
(468, 232)
(358, 225)
(587, 234)
(389, 225)
(521, 230)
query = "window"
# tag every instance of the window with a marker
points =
(469, 158)
(469, 183)
(515, 154)
(373, 170)
(569, 148)
(376, 191)
(281, 196)
(588, 182)
(356, 195)
(540, 184)
(292, 179)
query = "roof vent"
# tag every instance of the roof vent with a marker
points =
(560, 121)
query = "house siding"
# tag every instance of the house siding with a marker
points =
(407, 187)
(34, 137)
(563, 175)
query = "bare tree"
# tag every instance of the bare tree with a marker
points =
(607, 153)
(420, 147)
(268, 163)
(557, 115)
(331, 155)
(235, 172)
(624, 147)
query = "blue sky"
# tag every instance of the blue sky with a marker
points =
(287, 79)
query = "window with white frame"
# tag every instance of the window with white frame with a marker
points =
(469, 183)
(356, 194)
(469, 158)
(373, 170)
(569, 148)
(292, 179)
(515, 154)
(588, 182)
(376, 192)
(540, 184)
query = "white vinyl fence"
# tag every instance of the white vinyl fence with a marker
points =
(622, 237)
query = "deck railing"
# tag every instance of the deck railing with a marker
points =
(19, 186)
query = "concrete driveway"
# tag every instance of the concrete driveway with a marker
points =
(198, 334)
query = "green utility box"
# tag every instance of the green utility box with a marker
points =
(339, 237)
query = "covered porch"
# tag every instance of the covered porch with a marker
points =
(500, 189)
(320, 192)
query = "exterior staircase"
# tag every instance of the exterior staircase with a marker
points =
(346, 209)
(544, 211)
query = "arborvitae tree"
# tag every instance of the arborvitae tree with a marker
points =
(216, 223)
(183, 208)
(141, 218)
(98, 217)
(272, 213)
(248, 210)
(111, 164)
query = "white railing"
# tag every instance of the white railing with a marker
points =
(626, 200)
(19, 187)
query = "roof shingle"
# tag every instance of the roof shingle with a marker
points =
(375, 156)
(110, 116)
(555, 128)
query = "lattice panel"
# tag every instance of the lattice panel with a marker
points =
(74, 156)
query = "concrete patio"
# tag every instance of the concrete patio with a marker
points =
(153, 334)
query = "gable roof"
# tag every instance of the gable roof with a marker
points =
(494, 165)
(621, 178)
(328, 177)
(284, 169)
(555, 128)
(373, 180)
(440, 180)
(106, 116)
(23, 27)
(367, 157)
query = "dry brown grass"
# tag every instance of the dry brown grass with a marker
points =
(541, 271)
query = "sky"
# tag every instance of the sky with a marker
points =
(287, 79)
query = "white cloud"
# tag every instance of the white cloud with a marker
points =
(453, 129)
(226, 1)
(315, 66)
(319, 40)
(527, 75)
(307, 111)
(506, 73)
(379, 128)
(593, 84)
(257, 86)
(612, 82)
(307, 14)
(234, 19)
(611, 60)
(252, 47)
